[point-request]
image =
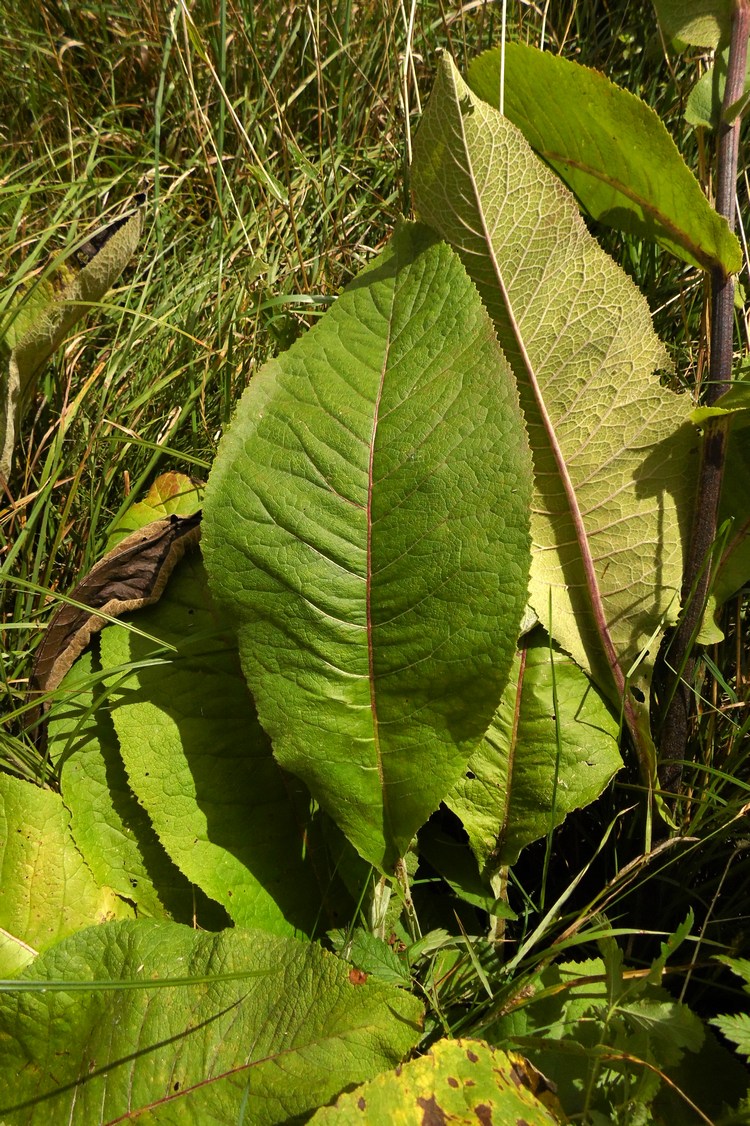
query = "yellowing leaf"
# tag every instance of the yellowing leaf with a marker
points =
(461, 1082)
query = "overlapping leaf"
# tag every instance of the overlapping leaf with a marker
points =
(366, 525)
(459, 1081)
(551, 748)
(703, 23)
(613, 459)
(201, 765)
(611, 149)
(111, 829)
(251, 1027)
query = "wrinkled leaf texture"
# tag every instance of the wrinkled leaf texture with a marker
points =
(256, 1026)
(366, 525)
(613, 458)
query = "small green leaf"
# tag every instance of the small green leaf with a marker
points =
(171, 494)
(371, 955)
(706, 99)
(463, 1082)
(255, 1028)
(551, 748)
(740, 966)
(737, 1029)
(611, 149)
(366, 528)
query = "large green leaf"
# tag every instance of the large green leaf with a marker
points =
(463, 1082)
(46, 889)
(366, 524)
(255, 1028)
(611, 149)
(613, 464)
(551, 748)
(201, 765)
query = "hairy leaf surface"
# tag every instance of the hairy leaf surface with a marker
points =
(612, 461)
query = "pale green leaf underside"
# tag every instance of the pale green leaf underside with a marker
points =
(463, 1082)
(612, 461)
(46, 889)
(283, 1038)
(366, 522)
(611, 149)
(541, 758)
(201, 765)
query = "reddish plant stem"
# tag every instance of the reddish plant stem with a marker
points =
(680, 658)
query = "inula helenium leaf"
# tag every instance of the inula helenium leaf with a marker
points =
(611, 458)
(185, 1028)
(366, 521)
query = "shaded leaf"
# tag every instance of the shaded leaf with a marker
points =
(457, 865)
(585, 1040)
(268, 1028)
(46, 889)
(201, 765)
(551, 748)
(463, 1082)
(733, 565)
(365, 524)
(613, 464)
(109, 826)
(611, 149)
